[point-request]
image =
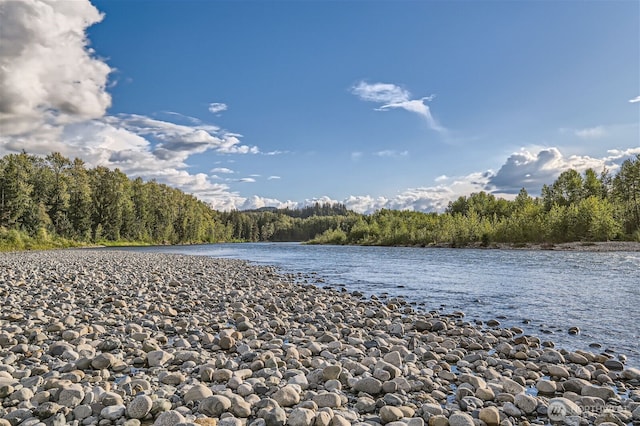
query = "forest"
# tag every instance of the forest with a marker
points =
(53, 201)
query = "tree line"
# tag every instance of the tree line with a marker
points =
(53, 200)
(588, 207)
(56, 198)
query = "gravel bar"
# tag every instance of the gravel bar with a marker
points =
(107, 337)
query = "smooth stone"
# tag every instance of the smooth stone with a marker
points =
(460, 419)
(214, 406)
(614, 364)
(510, 409)
(490, 415)
(331, 372)
(546, 386)
(330, 400)
(438, 420)
(598, 391)
(113, 412)
(368, 385)
(485, 394)
(557, 371)
(275, 416)
(139, 407)
(301, 417)
(70, 397)
(511, 386)
(196, 393)
(390, 414)
(631, 374)
(169, 418)
(526, 403)
(287, 396)
(158, 358)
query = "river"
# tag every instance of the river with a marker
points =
(543, 292)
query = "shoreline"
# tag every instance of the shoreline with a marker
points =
(89, 336)
(595, 246)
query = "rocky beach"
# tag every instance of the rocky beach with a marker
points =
(106, 337)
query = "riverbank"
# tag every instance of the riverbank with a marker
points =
(108, 337)
(595, 246)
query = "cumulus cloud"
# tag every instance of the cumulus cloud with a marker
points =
(48, 74)
(216, 107)
(392, 96)
(525, 169)
(634, 100)
(529, 170)
(53, 97)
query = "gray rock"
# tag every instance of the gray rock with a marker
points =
(511, 409)
(287, 396)
(390, 414)
(113, 412)
(460, 419)
(511, 386)
(169, 418)
(158, 358)
(369, 385)
(214, 406)
(275, 416)
(301, 417)
(526, 403)
(70, 397)
(598, 391)
(546, 386)
(631, 374)
(139, 407)
(330, 400)
(490, 415)
(197, 393)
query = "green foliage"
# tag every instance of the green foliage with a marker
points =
(54, 202)
(331, 236)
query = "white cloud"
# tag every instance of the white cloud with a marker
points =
(357, 155)
(591, 132)
(48, 75)
(273, 177)
(392, 96)
(634, 100)
(380, 92)
(246, 180)
(53, 97)
(222, 170)
(216, 107)
(522, 169)
(529, 170)
(390, 153)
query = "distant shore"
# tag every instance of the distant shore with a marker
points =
(601, 246)
(597, 246)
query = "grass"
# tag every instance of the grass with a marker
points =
(13, 240)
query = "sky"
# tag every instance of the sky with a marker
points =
(374, 104)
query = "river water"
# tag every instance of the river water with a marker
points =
(543, 292)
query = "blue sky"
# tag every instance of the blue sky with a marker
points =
(371, 103)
